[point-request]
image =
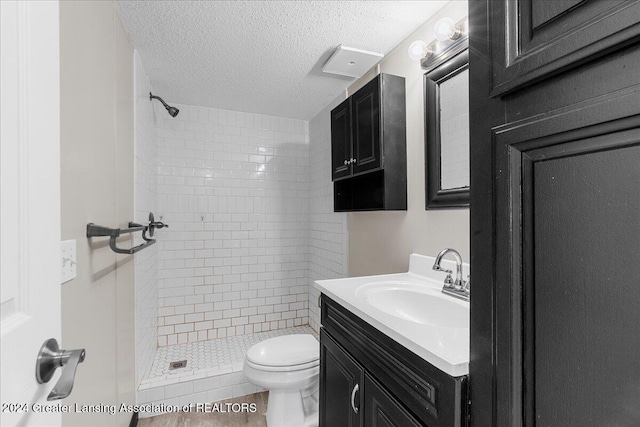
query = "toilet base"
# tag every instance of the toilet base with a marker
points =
(290, 408)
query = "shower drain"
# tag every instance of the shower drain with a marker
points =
(177, 365)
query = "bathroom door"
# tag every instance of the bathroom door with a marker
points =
(29, 205)
(555, 213)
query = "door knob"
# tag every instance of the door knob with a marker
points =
(51, 358)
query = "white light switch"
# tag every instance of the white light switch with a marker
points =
(68, 259)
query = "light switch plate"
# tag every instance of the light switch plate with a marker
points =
(68, 260)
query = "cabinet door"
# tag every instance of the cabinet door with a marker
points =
(365, 105)
(341, 152)
(341, 384)
(555, 213)
(382, 410)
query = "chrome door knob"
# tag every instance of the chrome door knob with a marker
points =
(51, 358)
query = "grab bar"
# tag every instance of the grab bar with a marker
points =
(94, 230)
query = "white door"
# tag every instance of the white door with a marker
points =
(29, 205)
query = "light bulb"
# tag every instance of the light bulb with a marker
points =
(445, 29)
(418, 50)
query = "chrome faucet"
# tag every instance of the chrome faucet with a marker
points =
(457, 287)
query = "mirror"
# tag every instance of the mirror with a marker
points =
(447, 133)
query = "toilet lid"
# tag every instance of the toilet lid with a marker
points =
(286, 350)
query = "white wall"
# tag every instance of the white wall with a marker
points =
(145, 201)
(328, 247)
(234, 189)
(97, 184)
(381, 242)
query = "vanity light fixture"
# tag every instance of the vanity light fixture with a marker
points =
(448, 36)
(446, 29)
(418, 50)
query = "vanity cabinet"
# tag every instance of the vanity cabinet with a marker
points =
(368, 379)
(382, 410)
(347, 388)
(368, 147)
(343, 377)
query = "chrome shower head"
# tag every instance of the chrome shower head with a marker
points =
(173, 111)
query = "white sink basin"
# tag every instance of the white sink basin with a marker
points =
(411, 309)
(417, 304)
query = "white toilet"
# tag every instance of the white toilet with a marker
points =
(288, 366)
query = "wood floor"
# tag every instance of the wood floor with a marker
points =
(215, 419)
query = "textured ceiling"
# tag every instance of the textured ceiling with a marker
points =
(261, 56)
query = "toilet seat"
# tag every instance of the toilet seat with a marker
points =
(285, 353)
(289, 368)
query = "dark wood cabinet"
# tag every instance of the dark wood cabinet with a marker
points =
(345, 377)
(367, 379)
(368, 147)
(382, 410)
(555, 155)
(366, 125)
(350, 396)
(341, 146)
(542, 38)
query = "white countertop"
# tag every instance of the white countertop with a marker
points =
(447, 348)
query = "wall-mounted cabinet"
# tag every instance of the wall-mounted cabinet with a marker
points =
(368, 147)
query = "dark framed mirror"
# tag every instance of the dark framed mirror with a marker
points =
(447, 133)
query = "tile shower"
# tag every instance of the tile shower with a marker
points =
(251, 227)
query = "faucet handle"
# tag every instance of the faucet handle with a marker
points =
(448, 281)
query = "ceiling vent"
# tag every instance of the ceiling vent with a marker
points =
(351, 62)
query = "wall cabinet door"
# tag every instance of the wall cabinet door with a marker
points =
(341, 147)
(341, 386)
(365, 105)
(368, 147)
(382, 410)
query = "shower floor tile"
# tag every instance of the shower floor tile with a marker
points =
(207, 358)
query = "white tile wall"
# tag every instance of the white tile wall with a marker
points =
(145, 201)
(234, 188)
(249, 200)
(328, 249)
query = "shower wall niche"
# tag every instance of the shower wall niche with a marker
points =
(234, 188)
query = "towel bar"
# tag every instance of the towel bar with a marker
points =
(94, 230)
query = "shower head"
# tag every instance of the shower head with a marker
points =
(173, 111)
